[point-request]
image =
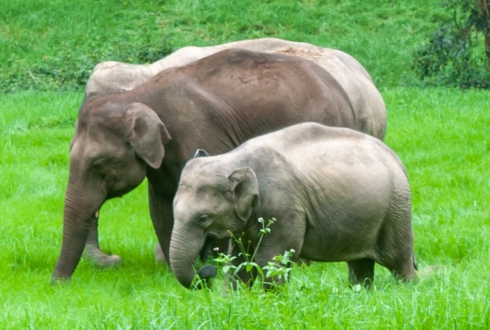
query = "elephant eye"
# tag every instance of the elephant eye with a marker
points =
(97, 164)
(203, 220)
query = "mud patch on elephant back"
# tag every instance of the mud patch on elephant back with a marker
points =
(106, 65)
(314, 55)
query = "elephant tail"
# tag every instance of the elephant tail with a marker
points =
(414, 261)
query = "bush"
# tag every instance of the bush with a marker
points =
(458, 52)
(59, 73)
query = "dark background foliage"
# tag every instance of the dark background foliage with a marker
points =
(458, 52)
(54, 44)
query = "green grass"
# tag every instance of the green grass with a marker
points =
(53, 45)
(440, 134)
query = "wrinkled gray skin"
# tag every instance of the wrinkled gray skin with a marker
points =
(337, 195)
(367, 103)
(215, 104)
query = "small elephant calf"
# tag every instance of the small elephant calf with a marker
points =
(337, 195)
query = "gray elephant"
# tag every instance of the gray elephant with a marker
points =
(366, 101)
(215, 103)
(337, 195)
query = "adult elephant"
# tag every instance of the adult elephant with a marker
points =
(113, 77)
(215, 103)
(368, 105)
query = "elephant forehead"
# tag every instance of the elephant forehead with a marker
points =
(199, 192)
(202, 195)
(102, 115)
(95, 141)
(198, 174)
(105, 155)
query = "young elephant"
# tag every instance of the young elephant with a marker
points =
(337, 195)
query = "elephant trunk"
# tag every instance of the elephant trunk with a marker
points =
(79, 210)
(185, 246)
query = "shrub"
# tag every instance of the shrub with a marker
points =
(458, 52)
(60, 73)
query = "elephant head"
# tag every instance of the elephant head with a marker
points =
(209, 205)
(112, 146)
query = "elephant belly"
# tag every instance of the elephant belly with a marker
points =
(332, 248)
(348, 230)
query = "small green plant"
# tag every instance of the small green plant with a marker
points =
(279, 268)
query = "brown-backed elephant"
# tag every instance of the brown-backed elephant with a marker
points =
(336, 195)
(215, 103)
(368, 105)
(112, 77)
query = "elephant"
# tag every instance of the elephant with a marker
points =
(215, 103)
(113, 77)
(336, 194)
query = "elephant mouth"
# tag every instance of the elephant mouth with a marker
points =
(208, 245)
(207, 272)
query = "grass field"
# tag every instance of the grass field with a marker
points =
(53, 44)
(441, 136)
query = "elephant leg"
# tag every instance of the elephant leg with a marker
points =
(276, 243)
(287, 234)
(161, 212)
(395, 242)
(361, 272)
(402, 266)
(221, 246)
(159, 256)
(242, 276)
(92, 249)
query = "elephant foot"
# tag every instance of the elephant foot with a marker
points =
(103, 260)
(159, 256)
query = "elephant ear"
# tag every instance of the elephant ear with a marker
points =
(245, 189)
(148, 134)
(200, 153)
